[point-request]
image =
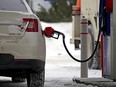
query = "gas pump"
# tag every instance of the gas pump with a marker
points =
(105, 23)
(109, 41)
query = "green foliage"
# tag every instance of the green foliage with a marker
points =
(60, 11)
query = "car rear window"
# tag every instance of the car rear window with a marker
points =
(12, 5)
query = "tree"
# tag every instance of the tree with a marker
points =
(60, 11)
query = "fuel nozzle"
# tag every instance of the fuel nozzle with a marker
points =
(50, 32)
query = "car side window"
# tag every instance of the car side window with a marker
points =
(12, 5)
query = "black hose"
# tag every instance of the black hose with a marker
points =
(73, 56)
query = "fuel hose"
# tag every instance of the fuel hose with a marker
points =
(64, 43)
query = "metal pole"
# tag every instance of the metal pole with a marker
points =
(84, 46)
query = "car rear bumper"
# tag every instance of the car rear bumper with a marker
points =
(7, 61)
(23, 64)
(22, 67)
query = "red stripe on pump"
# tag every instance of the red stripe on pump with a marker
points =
(84, 22)
(109, 5)
(84, 33)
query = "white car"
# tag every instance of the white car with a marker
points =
(22, 44)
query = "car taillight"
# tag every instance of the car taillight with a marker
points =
(32, 24)
(109, 5)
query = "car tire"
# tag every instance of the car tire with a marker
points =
(18, 79)
(36, 79)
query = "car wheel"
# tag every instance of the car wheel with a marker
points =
(36, 79)
(18, 79)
